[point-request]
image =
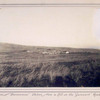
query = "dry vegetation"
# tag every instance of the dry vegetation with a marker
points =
(19, 68)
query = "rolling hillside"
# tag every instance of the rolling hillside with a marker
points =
(34, 66)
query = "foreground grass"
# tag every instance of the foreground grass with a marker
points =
(51, 75)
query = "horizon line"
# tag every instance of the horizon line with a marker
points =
(51, 46)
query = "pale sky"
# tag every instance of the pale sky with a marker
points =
(51, 26)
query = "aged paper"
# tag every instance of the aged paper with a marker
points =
(25, 22)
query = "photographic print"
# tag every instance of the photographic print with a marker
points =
(49, 45)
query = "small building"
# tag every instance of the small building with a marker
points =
(44, 52)
(67, 52)
(64, 52)
(28, 51)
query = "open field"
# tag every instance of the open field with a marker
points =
(27, 66)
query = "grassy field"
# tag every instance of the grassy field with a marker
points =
(27, 66)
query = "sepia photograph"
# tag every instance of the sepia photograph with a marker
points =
(49, 45)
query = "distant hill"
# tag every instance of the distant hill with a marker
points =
(16, 47)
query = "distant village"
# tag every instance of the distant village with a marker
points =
(51, 52)
(55, 52)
